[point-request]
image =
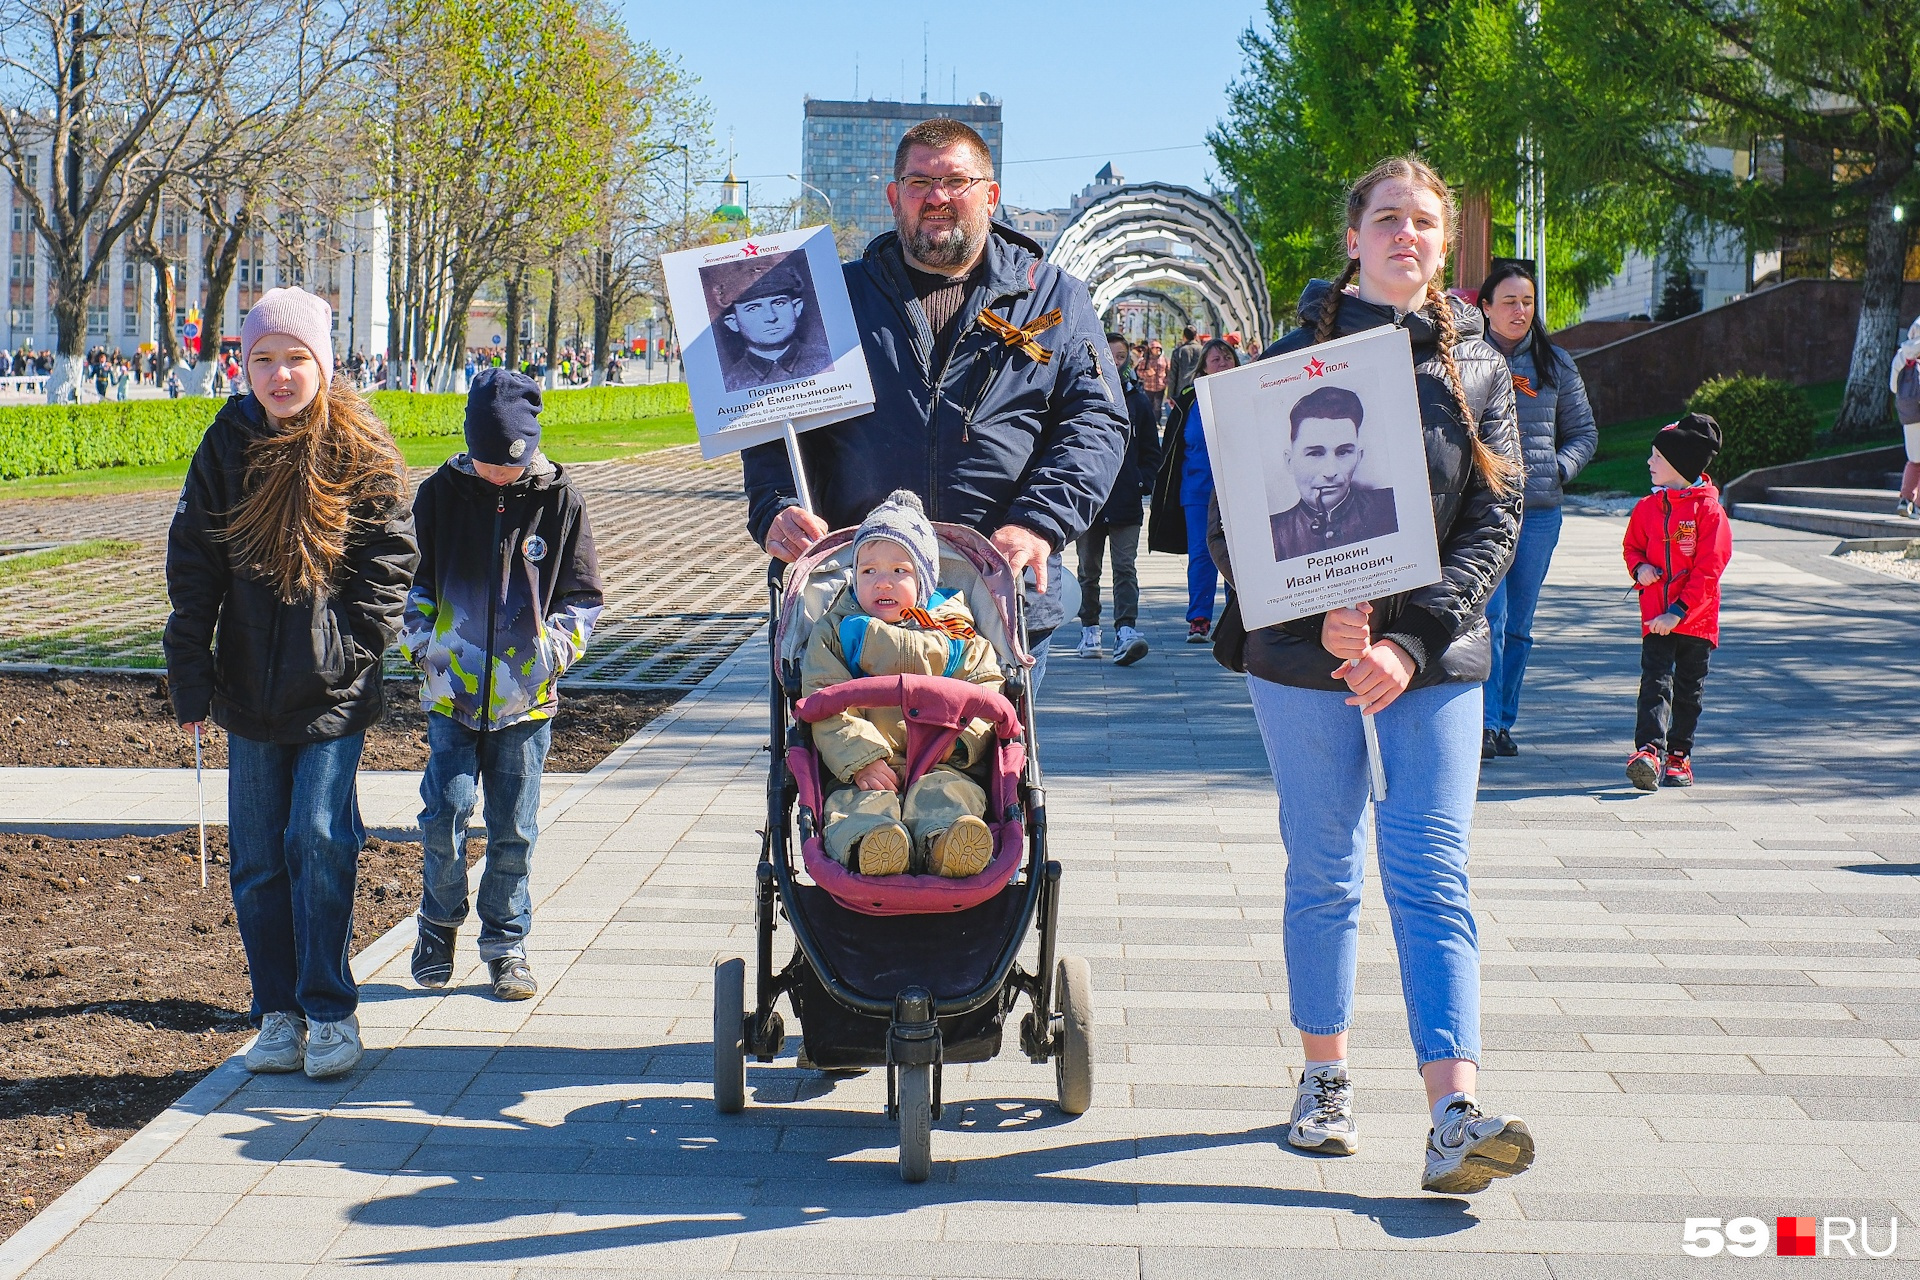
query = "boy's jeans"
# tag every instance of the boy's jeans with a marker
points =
(1430, 739)
(1510, 613)
(294, 836)
(510, 761)
(1673, 675)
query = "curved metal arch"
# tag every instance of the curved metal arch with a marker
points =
(1160, 296)
(1116, 244)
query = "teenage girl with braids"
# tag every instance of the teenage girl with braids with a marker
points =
(288, 564)
(1416, 661)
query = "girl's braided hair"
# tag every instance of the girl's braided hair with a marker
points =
(1501, 473)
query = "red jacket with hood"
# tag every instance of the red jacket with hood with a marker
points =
(1684, 534)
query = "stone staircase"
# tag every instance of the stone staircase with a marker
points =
(1845, 513)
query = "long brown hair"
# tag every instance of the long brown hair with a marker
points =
(1501, 473)
(309, 479)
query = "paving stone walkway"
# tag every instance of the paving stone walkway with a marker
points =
(1704, 1002)
(683, 585)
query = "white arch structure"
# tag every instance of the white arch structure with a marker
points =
(1122, 243)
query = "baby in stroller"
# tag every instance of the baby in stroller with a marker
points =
(895, 621)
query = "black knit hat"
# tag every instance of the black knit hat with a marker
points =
(1689, 444)
(503, 418)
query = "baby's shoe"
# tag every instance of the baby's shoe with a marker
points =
(883, 851)
(963, 849)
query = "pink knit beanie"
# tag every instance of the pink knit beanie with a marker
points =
(296, 313)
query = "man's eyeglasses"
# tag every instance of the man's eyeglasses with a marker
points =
(919, 186)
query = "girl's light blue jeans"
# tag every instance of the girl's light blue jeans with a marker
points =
(1430, 742)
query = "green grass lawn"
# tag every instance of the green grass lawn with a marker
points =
(579, 442)
(18, 566)
(1620, 463)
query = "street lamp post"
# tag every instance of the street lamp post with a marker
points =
(817, 191)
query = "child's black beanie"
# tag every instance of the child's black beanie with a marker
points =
(503, 417)
(1689, 444)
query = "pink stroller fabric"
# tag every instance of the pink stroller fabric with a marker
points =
(937, 709)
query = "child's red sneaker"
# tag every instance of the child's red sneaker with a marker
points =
(1679, 771)
(1643, 770)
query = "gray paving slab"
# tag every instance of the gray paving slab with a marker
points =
(1703, 1001)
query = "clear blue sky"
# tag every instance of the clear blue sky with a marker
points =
(1078, 79)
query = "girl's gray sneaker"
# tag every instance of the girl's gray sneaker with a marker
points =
(333, 1048)
(1322, 1117)
(281, 1044)
(1469, 1149)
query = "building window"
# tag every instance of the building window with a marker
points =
(129, 323)
(96, 322)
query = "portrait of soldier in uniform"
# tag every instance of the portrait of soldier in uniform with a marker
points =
(1323, 452)
(766, 325)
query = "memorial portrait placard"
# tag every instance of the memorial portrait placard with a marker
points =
(767, 337)
(1320, 466)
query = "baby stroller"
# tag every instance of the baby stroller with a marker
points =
(906, 972)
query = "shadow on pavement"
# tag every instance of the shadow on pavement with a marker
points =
(619, 1134)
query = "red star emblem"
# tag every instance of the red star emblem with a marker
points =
(1315, 369)
(750, 249)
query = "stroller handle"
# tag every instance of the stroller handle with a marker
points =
(928, 701)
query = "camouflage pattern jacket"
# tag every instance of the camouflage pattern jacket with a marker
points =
(506, 596)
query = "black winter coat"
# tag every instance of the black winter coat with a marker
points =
(267, 670)
(1167, 523)
(1137, 466)
(993, 436)
(1443, 627)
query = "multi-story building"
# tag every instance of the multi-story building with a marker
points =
(846, 150)
(344, 261)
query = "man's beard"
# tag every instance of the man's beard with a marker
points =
(954, 247)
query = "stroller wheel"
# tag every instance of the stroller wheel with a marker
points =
(730, 1036)
(1073, 1048)
(916, 1122)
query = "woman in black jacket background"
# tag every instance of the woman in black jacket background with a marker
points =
(1416, 661)
(288, 564)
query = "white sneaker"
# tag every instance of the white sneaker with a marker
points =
(1129, 646)
(1089, 643)
(1322, 1117)
(1470, 1149)
(281, 1045)
(333, 1048)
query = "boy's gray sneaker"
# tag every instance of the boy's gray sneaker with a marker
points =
(281, 1045)
(1129, 646)
(333, 1048)
(512, 978)
(1322, 1117)
(1470, 1149)
(1089, 643)
(433, 954)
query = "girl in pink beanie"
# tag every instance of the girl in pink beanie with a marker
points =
(288, 564)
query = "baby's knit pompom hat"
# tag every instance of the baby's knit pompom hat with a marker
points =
(901, 519)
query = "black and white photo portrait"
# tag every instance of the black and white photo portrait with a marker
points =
(1323, 455)
(766, 322)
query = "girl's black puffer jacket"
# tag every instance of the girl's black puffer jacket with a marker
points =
(268, 670)
(1443, 627)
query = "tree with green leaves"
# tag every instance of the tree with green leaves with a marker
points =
(1819, 97)
(1331, 86)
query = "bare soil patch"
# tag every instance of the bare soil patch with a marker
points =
(125, 721)
(123, 984)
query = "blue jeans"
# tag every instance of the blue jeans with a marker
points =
(1203, 579)
(510, 761)
(294, 834)
(1430, 741)
(1510, 614)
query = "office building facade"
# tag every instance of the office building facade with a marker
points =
(846, 152)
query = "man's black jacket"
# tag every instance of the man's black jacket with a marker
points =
(268, 670)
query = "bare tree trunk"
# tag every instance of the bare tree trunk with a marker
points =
(70, 351)
(1863, 410)
(516, 308)
(553, 326)
(602, 314)
(219, 255)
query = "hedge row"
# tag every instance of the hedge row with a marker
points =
(56, 439)
(1763, 423)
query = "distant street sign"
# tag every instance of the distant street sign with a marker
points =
(498, 340)
(191, 329)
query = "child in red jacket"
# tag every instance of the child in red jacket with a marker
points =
(1677, 546)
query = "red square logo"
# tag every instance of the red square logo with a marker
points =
(1793, 1237)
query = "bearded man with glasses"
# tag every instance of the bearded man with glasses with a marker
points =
(996, 398)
